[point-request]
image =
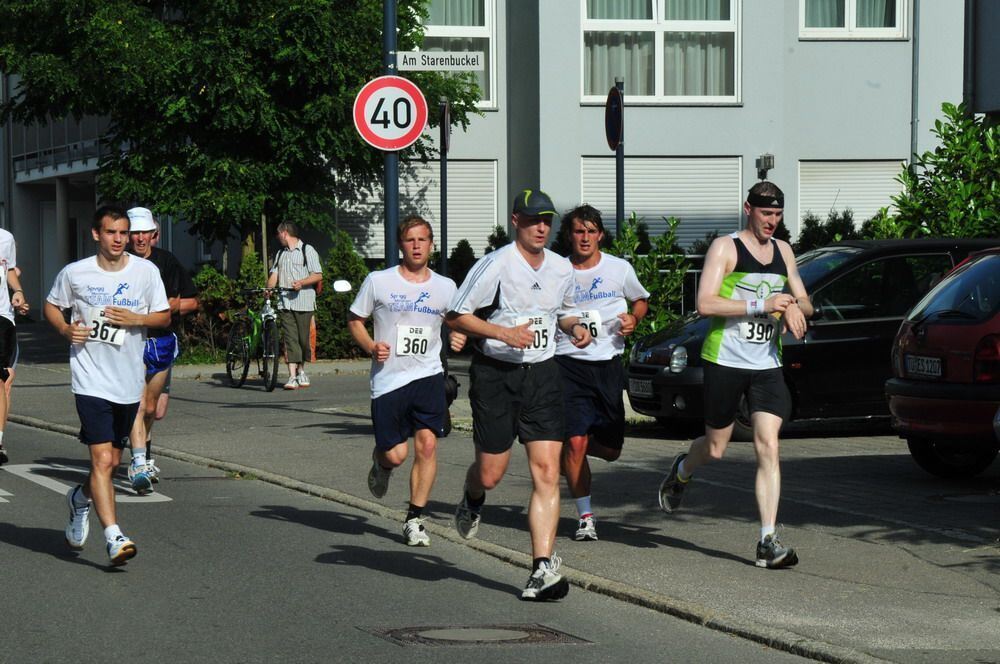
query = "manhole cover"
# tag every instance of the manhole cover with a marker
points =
(474, 635)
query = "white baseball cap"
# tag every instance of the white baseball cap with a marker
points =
(141, 219)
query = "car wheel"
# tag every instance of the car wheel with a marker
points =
(950, 461)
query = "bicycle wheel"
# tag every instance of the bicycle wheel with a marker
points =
(269, 341)
(238, 353)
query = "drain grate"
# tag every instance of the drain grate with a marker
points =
(474, 635)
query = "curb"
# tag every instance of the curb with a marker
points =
(776, 638)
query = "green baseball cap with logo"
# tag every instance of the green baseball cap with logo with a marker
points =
(533, 203)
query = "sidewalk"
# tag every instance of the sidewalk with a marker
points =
(870, 587)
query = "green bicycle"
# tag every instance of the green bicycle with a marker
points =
(254, 336)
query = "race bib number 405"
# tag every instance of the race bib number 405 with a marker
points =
(101, 329)
(412, 339)
(757, 330)
(541, 327)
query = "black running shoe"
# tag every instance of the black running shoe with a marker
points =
(772, 554)
(545, 583)
(672, 487)
(3, 456)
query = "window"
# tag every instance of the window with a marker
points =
(464, 25)
(852, 19)
(668, 51)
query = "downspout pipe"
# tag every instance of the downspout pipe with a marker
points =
(915, 85)
(969, 70)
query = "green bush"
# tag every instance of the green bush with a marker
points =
(203, 333)
(333, 309)
(817, 233)
(461, 261)
(497, 239)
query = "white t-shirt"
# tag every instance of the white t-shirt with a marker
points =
(408, 317)
(8, 261)
(109, 364)
(601, 293)
(508, 291)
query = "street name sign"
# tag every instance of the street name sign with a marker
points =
(441, 60)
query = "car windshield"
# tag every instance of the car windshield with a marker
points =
(971, 292)
(819, 262)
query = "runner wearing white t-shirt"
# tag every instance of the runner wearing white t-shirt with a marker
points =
(11, 300)
(408, 304)
(112, 298)
(513, 300)
(593, 377)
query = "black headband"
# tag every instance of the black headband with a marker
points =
(757, 200)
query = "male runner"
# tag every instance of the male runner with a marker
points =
(408, 303)
(593, 379)
(10, 301)
(513, 299)
(162, 346)
(112, 297)
(752, 290)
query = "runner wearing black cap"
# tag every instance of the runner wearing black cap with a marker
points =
(511, 302)
(752, 290)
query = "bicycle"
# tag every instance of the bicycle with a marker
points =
(254, 336)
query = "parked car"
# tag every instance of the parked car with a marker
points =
(861, 289)
(946, 365)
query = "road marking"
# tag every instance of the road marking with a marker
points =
(4, 493)
(33, 472)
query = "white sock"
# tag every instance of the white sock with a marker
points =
(765, 531)
(112, 532)
(681, 475)
(139, 457)
(77, 496)
(1, 438)
(583, 506)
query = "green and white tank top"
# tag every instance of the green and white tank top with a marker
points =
(748, 342)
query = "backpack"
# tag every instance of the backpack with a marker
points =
(318, 286)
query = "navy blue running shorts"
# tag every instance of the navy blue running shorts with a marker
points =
(8, 347)
(765, 389)
(102, 421)
(160, 353)
(417, 405)
(592, 392)
(515, 400)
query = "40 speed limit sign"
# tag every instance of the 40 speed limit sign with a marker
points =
(390, 113)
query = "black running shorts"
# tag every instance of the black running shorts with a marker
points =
(765, 389)
(592, 392)
(514, 400)
(8, 347)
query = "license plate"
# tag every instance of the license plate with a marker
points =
(640, 388)
(918, 365)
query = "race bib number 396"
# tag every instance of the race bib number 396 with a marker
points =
(592, 320)
(412, 339)
(102, 330)
(541, 326)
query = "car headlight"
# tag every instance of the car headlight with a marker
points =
(678, 359)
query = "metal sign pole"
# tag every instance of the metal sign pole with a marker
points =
(620, 164)
(444, 144)
(390, 180)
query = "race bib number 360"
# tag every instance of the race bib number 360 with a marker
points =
(757, 330)
(412, 339)
(541, 327)
(102, 330)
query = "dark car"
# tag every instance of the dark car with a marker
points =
(946, 366)
(861, 289)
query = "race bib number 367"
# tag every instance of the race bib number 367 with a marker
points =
(102, 330)
(412, 339)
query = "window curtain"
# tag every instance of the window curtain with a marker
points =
(699, 64)
(697, 10)
(456, 12)
(825, 14)
(620, 9)
(610, 54)
(876, 13)
(466, 44)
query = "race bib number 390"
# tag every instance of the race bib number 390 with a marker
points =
(412, 339)
(102, 330)
(541, 327)
(757, 330)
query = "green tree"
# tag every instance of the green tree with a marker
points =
(952, 190)
(461, 260)
(497, 239)
(818, 233)
(219, 111)
(333, 340)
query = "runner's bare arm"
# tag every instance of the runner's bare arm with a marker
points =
(379, 350)
(75, 332)
(17, 299)
(720, 261)
(519, 337)
(129, 318)
(631, 319)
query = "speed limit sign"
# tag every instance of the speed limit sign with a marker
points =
(390, 113)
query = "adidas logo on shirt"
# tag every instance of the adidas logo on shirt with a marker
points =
(535, 286)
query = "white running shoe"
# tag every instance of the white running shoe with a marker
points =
(79, 522)
(302, 379)
(120, 550)
(415, 533)
(587, 532)
(378, 478)
(546, 583)
(292, 384)
(138, 475)
(152, 470)
(466, 519)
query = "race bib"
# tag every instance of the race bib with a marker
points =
(413, 339)
(103, 330)
(757, 330)
(592, 320)
(541, 326)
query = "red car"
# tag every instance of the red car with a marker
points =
(946, 363)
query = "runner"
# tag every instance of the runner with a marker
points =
(743, 288)
(408, 303)
(162, 346)
(513, 299)
(112, 298)
(593, 379)
(10, 301)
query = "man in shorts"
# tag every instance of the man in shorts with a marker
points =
(408, 303)
(162, 346)
(112, 299)
(513, 299)
(593, 377)
(751, 289)
(11, 300)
